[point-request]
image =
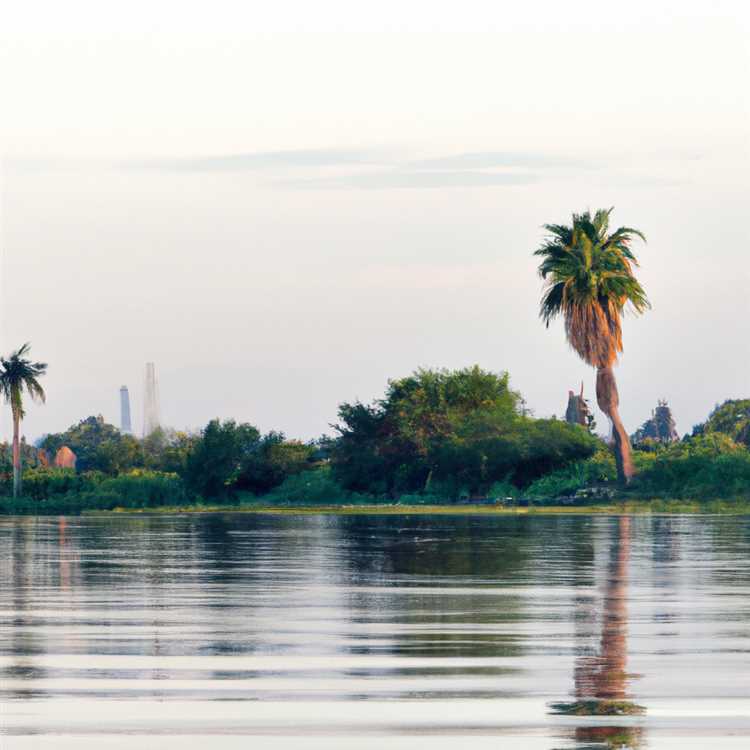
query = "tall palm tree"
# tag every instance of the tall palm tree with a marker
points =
(17, 373)
(589, 279)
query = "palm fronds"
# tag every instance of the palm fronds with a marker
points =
(18, 373)
(589, 281)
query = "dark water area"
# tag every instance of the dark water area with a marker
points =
(236, 631)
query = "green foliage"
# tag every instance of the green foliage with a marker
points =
(167, 450)
(710, 466)
(143, 489)
(731, 418)
(40, 483)
(436, 437)
(98, 446)
(51, 491)
(503, 490)
(563, 483)
(17, 373)
(228, 457)
(29, 459)
(596, 471)
(272, 461)
(314, 487)
(588, 274)
(215, 461)
(460, 429)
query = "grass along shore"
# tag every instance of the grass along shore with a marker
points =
(635, 507)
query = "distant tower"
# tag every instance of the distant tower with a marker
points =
(660, 428)
(150, 401)
(579, 411)
(125, 426)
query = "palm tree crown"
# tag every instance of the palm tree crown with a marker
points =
(589, 281)
(19, 373)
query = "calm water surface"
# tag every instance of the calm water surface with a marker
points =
(238, 631)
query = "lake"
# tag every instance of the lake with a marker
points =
(224, 631)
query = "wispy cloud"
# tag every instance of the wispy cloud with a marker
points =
(311, 158)
(265, 160)
(369, 168)
(412, 179)
(503, 159)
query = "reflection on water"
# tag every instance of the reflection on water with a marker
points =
(324, 631)
(601, 679)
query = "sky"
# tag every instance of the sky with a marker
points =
(283, 207)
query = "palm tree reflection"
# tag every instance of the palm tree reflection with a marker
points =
(601, 681)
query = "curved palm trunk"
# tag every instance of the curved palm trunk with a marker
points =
(608, 400)
(16, 455)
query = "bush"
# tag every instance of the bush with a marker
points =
(142, 489)
(598, 470)
(273, 459)
(43, 482)
(705, 467)
(313, 487)
(464, 429)
(731, 418)
(59, 491)
(68, 504)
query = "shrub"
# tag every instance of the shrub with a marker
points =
(54, 491)
(597, 470)
(43, 482)
(313, 487)
(142, 489)
(465, 429)
(503, 490)
(705, 467)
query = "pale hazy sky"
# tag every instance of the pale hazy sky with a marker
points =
(282, 221)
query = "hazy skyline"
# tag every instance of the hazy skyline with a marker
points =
(282, 222)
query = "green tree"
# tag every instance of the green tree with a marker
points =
(458, 432)
(272, 460)
(167, 450)
(589, 279)
(731, 418)
(98, 446)
(704, 467)
(17, 374)
(228, 456)
(216, 459)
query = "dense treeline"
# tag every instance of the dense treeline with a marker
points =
(435, 437)
(731, 418)
(448, 433)
(704, 467)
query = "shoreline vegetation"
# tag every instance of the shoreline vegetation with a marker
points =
(437, 438)
(643, 507)
(439, 441)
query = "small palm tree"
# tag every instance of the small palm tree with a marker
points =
(589, 280)
(16, 374)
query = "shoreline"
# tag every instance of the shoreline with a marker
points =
(654, 507)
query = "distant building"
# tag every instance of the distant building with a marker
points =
(65, 458)
(151, 420)
(661, 428)
(579, 411)
(125, 425)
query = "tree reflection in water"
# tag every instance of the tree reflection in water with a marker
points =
(601, 680)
